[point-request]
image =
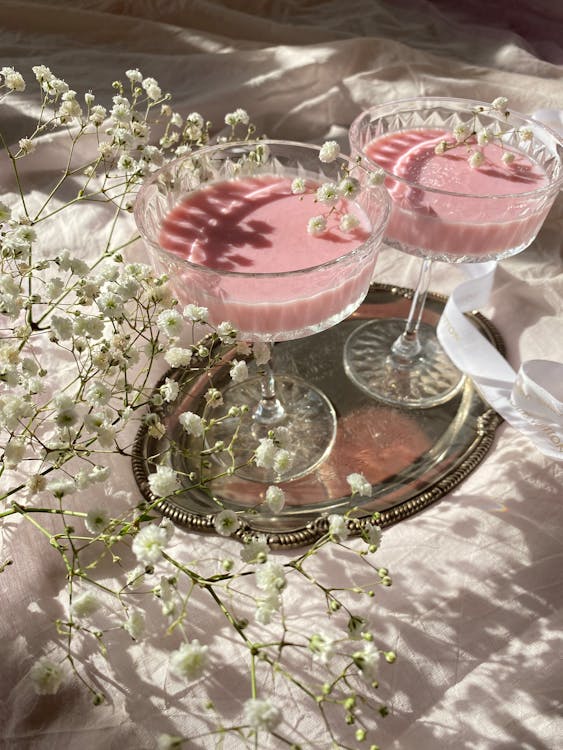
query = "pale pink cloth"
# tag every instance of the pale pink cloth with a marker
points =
(475, 612)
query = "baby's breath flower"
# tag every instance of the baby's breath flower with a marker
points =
(441, 148)
(255, 549)
(239, 116)
(329, 151)
(35, 484)
(27, 146)
(111, 305)
(337, 527)
(148, 544)
(322, 647)
(192, 423)
(238, 371)
(461, 132)
(266, 607)
(46, 676)
(167, 594)
(270, 577)
(500, 103)
(265, 453)
(99, 474)
(348, 187)
(195, 313)
(164, 481)
(85, 605)
(226, 522)
(261, 154)
(316, 225)
(169, 390)
(376, 177)
(359, 485)
(54, 86)
(135, 624)
(126, 163)
(13, 453)
(226, 331)
(178, 357)
(152, 88)
(373, 534)
(97, 115)
(98, 393)
(194, 126)
(97, 520)
(42, 73)
(13, 80)
(298, 186)
(367, 660)
(275, 498)
(328, 193)
(189, 661)
(170, 323)
(526, 134)
(476, 159)
(484, 136)
(508, 157)
(348, 222)
(261, 714)
(283, 461)
(66, 413)
(134, 76)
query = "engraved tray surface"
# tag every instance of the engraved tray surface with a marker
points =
(412, 458)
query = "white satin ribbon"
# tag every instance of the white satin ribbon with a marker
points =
(530, 400)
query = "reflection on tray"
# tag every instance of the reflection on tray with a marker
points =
(411, 458)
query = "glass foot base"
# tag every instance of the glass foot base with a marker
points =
(307, 429)
(432, 378)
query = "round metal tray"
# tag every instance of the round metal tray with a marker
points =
(411, 457)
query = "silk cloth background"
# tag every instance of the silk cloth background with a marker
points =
(475, 612)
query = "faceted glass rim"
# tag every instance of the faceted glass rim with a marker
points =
(461, 106)
(364, 248)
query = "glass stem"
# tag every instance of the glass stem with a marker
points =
(270, 410)
(407, 347)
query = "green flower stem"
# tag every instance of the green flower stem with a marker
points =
(25, 510)
(206, 584)
(16, 172)
(63, 178)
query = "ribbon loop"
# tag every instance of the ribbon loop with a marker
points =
(532, 400)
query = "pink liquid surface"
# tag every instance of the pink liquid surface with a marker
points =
(485, 211)
(236, 233)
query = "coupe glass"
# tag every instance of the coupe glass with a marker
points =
(285, 298)
(446, 207)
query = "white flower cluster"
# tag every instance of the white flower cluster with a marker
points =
(271, 453)
(476, 137)
(113, 323)
(331, 194)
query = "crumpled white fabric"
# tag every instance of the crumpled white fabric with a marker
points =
(475, 611)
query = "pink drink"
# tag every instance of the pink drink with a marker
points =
(448, 210)
(244, 252)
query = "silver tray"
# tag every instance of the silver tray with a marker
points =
(411, 457)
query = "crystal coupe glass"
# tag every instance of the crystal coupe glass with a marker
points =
(229, 225)
(469, 182)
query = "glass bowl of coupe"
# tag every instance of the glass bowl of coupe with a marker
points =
(281, 244)
(469, 182)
